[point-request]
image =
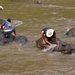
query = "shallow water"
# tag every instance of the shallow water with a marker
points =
(29, 19)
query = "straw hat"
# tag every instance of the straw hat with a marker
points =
(49, 32)
(1, 8)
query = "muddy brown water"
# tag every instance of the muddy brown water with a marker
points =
(29, 19)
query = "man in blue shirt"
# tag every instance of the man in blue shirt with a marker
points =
(8, 28)
(47, 34)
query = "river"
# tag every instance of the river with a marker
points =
(29, 19)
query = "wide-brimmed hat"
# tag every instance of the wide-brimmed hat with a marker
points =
(49, 32)
(1, 7)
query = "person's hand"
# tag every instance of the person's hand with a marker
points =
(51, 44)
(15, 36)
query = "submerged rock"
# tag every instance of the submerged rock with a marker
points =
(63, 47)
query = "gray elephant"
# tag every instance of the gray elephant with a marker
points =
(19, 39)
(63, 47)
(71, 32)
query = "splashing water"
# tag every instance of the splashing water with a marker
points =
(17, 22)
(49, 48)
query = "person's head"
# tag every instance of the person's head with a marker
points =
(9, 20)
(49, 32)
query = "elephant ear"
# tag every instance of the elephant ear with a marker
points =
(39, 43)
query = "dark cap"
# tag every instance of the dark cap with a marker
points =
(9, 20)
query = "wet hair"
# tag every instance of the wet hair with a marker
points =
(9, 20)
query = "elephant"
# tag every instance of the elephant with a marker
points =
(71, 32)
(63, 47)
(19, 39)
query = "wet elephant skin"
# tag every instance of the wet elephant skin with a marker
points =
(71, 32)
(63, 46)
(20, 39)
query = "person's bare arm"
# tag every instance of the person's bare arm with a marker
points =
(42, 33)
(15, 33)
(47, 42)
(57, 41)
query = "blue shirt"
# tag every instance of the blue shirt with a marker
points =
(45, 29)
(6, 25)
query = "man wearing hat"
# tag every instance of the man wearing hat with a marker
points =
(47, 34)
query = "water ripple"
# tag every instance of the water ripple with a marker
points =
(17, 22)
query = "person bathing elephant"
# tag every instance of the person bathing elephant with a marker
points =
(50, 42)
(7, 28)
(6, 35)
(47, 35)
